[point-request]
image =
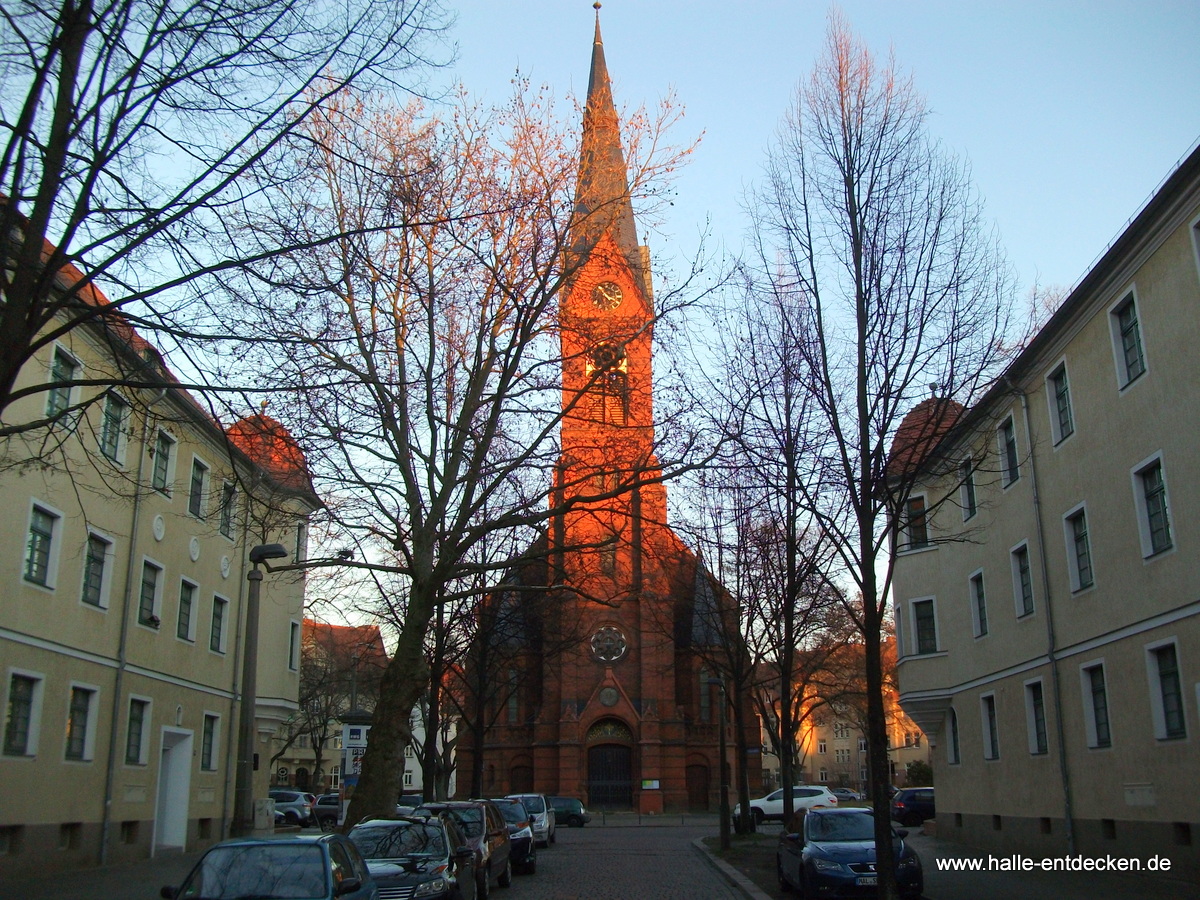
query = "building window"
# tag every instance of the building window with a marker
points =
(208, 743)
(821, 746)
(1150, 498)
(79, 720)
(39, 550)
(216, 635)
(198, 488)
(952, 756)
(22, 714)
(1127, 337)
(96, 571)
(1079, 550)
(823, 776)
(1007, 436)
(135, 737)
(63, 370)
(862, 745)
(1166, 694)
(966, 475)
(991, 734)
(1035, 716)
(705, 697)
(294, 647)
(1095, 706)
(408, 779)
(924, 627)
(513, 700)
(187, 600)
(149, 601)
(228, 508)
(1022, 581)
(1062, 422)
(916, 528)
(979, 605)
(112, 427)
(164, 449)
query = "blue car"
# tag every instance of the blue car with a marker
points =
(299, 867)
(834, 856)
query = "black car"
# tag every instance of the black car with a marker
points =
(912, 806)
(408, 857)
(520, 834)
(303, 867)
(570, 810)
(486, 831)
(834, 856)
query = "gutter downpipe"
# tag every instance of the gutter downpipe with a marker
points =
(1051, 641)
(110, 774)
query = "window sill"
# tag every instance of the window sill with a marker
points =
(1158, 554)
(912, 551)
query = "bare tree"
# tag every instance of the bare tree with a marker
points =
(128, 126)
(874, 232)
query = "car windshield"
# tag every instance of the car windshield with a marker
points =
(853, 827)
(471, 820)
(514, 813)
(535, 805)
(281, 871)
(398, 840)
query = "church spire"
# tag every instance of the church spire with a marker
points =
(602, 200)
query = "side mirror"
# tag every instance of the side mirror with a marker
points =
(462, 854)
(347, 886)
(167, 892)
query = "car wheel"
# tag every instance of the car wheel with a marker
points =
(758, 816)
(553, 838)
(483, 885)
(575, 822)
(328, 823)
(506, 876)
(291, 818)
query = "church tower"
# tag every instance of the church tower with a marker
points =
(620, 713)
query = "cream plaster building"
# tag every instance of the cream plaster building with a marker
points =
(1047, 589)
(123, 563)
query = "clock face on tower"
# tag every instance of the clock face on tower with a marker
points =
(606, 295)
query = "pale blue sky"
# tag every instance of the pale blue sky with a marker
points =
(1070, 112)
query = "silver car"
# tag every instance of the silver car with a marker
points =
(295, 806)
(542, 814)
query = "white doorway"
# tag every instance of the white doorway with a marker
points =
(174, 787)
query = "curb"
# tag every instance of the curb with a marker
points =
(732, 875)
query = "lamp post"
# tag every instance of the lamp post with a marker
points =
(243, 806)
(720, 683)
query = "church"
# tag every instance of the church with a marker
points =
(612, 697)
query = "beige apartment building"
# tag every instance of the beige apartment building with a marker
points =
(1046, 587)
(123, 564)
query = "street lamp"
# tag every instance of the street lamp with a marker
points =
(720, 682)
(243, 808)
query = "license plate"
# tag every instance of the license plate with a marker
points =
(867, 880)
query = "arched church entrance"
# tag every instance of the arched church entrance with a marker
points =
(610, 765)
(697, 787)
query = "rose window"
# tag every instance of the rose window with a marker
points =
(608, 644)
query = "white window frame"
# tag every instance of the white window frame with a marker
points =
(301, 541)
(968, 490)
(978, 625)
(68, 420)
(1069, 544)
(223, 638)
(1124, 381)
(906, 542)
(1143, 513)
(1008, 476)
(822, 747)
(1157, 713)
(113, 398)
(1089, 708)
(213, 764)
(227, 509)
(156, 611)
(110, 556)
(987, 725)
(1052, 403)
(146, 731)
(89, 737)
(937, 636)
(191, 635)
(35, 708)
(168, 487)
(205, 487)
(1015, 569)
(56, 539)
(953, 738)
(1031, 717)
(294, 634)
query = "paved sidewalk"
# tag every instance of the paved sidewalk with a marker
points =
(142, 879)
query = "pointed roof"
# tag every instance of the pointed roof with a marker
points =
(602, 200)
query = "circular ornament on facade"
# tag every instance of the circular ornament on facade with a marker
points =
(194, 548)
(607, 295)
(607, 356)
(608, 644)
(224, 566)
(609, 696)
(159, 527)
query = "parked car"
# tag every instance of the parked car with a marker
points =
(570, 810)
(483, 826)
(428, 858)
(520, 833)
(407, 803)
(543, 817)
(300, 867)
(835, 856)
(803, 797)
(912, 806)
(328, 810)
(295, 806)
(847, 795)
